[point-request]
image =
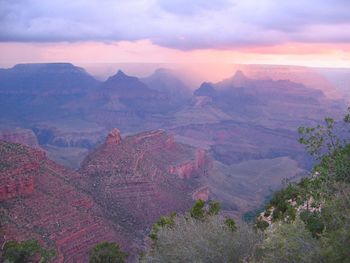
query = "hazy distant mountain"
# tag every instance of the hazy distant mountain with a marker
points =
(46, 78)
(269, 102)
(164, 80)
(339, 78)
(240, 119)
(32, 92)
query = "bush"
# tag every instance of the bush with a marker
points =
(197, 210)
(231, 224)
(336, 218)
(162, 222)
(26, 251)
(107, 253)
(290, 243)
(209, 240)
(262, 225)
(214, 208)
(313, 222)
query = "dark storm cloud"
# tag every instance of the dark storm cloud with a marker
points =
(177, 24)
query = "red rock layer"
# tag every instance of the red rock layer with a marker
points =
(143, 177)
(39, 201)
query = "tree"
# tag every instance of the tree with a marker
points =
(336, 219)
(107, 253)
(330, 144)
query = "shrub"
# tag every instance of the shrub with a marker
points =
(261, 224)
(26, 251)
(197, 210)
(290, 243)
(231, 224)
(107, 253)
(209, 240)
(313, 222)
(163, 221)
(214, 208)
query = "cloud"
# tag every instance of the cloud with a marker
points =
(180, 24)
(185, 7)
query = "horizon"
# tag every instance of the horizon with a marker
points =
(193, 74)
(312, 34)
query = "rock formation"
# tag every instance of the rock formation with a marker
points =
(123, 187)
(142, 177)
(38, 200)
(113, 137)
(22, 136)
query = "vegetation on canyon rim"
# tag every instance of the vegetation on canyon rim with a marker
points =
(308, 221)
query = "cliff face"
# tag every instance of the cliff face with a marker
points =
(22, 136)
(192, 168)
(141, 177)
(123, 187)
(37, 200)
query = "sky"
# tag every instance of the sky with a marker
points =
(288, 32)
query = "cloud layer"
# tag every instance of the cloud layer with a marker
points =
(180, 24)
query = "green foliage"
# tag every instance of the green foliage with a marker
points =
(214, 208)
(313, 222)
(26, 251)
(163, 221)
(261, 224)
(197, 211)
(283, 210)
(303, 235)
(290, 243)
(231, 224)
(336, 165)
(333, 151)
(107, 253)
(336, 219)
(321, 139)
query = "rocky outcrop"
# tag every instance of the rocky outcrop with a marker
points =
(192, 168)
(22, 136)
(16, 187)
(113, 137)
(143, 176)
(39, 200)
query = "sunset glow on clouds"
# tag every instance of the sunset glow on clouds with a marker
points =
(314, 32)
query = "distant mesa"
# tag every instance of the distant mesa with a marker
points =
(120, 75)
(206, 89)
(113, 137)
(48, 67)
(239, 79)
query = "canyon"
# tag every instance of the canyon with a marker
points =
(121, 189)
(71, 179)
